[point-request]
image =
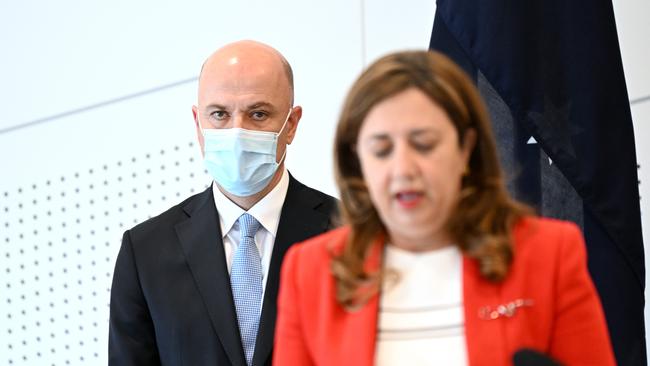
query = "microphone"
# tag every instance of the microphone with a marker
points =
(529, 357)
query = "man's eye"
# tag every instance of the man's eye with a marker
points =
(259, 115)
(219, 115)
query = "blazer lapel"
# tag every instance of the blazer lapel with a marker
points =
(200, 237)
(485, 337)
(360, 338)
(298, 221)
(358, 342)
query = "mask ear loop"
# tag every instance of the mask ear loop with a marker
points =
(198, 120)
(285, 121)
(284, 154)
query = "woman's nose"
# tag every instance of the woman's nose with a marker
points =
(403, 162)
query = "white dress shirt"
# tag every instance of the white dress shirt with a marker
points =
(266, 211)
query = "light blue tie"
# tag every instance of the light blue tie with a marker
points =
(246, 284)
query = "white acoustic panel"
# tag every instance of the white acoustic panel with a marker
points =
(60, 236)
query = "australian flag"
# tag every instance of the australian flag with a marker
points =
(551, 74)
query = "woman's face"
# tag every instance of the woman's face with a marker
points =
(412, 163)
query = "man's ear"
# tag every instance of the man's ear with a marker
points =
(292, 123)
(199, 135)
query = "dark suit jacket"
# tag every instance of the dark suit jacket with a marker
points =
(171, 301)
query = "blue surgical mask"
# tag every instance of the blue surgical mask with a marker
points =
(241, 161)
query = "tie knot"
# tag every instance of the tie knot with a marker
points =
(248, 225)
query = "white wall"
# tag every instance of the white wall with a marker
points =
(633, 32)
(71, 185)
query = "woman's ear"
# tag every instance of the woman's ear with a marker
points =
(469, 143)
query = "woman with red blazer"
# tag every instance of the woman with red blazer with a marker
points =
(436, 264)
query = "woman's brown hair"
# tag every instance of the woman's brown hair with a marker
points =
(482, 221)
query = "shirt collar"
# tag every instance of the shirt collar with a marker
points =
(266, 211)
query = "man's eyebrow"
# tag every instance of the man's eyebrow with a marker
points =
(216, 106)
(260, 105)
(255, 105)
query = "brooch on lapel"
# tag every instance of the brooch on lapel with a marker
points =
(507, 310)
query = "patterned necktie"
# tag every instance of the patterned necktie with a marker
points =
(246, 284)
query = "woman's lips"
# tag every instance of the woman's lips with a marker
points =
(408, 199)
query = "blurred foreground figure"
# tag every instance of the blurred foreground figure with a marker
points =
(437, 264)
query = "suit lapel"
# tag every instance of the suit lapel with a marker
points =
(298, 221)
(200, 237)
(485, 337)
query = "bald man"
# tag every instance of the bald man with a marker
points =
(197, 285)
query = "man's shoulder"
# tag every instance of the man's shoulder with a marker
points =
(310, 260)
(173, 215)
(309, 195)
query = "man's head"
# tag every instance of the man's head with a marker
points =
(247, 85)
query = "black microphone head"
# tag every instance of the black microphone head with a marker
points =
(530, 357)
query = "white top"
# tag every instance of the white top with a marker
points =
(421, 319)
(266, 211)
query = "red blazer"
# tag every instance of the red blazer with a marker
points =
(561, 315)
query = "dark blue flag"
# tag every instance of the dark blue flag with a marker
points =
(551, 74)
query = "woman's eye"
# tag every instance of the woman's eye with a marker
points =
(423, 146)
(423, 143)
(382, 152)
